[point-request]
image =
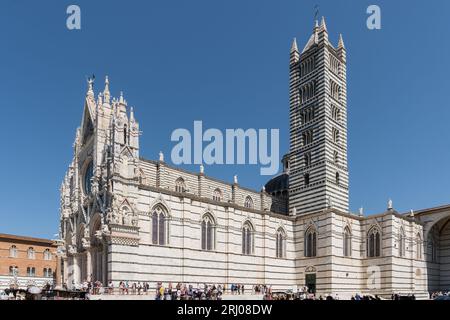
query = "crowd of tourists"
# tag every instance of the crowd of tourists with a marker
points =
(123, 288)
(188, 292)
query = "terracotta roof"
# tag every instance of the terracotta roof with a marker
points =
(4, 236)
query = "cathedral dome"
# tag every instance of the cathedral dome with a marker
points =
(278, 183)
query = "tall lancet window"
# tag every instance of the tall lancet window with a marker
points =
(374, 243)
(402, 243)
(311, 242)
(247, 239)
(159, 226)
(432, 251)
(280, 244)
(125, 134)
(30, 253)
(208, 233)
(419, 252)
(13, 252)
(347, 242)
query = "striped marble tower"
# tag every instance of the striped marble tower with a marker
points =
(318, 125)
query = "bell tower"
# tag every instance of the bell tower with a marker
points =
(318, 125)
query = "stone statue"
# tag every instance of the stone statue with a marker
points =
(161, 156)
(361, 211)
(135, 221)
(390, 204)
(115, 217)
(105, 228)
(235, 179)
(71, 249)
(126, 220)
(85, 243)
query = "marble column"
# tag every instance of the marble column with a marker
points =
(64, 280)
(88, 265)
(58, 271)
(76, 269)
(104, 263)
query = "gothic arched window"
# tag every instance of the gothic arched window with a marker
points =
(247, 239)
(307, 159)
(335, 135)
(248, 202)
(48, 272)
(311, 242)
(208, 232)
(280, 244)
(13, 271)
(13, 252)
(432, 248)
(159, 226)
(30, 253)
(217, 195)
(374, 243)
(88, 174)
(31, 271)
(347, 242)
(401, 243)
(125, 134)
(180, 186)
(47, 254)
(337, 178)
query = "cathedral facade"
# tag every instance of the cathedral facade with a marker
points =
(125, 218)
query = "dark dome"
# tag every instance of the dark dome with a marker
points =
(278, 183)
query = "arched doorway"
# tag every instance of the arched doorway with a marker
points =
(310, 279)
(98, 253)
(438, 256)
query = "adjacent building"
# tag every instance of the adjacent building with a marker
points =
(26, 261)
(126, 218)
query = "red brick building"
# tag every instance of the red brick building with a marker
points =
(26, 261)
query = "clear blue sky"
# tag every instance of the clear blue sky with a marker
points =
(226, 63)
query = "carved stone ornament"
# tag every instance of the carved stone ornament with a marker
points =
(85, 243)
(71, 249)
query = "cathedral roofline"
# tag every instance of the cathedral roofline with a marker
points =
(430, 210)
(199, 174)
(211, 201)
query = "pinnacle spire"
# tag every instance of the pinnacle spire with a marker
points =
(341, 42)
(323, 25)
(106, 93)
(132, 115)
(90, 82)
(294, 47)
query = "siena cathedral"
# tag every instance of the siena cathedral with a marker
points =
(125, 218)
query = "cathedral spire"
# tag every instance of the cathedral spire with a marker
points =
(294, 47)
(323, 25)
(295, 55)
(341, 42)
(106, 93)
(132, 115)
(90, 92)
(121, 100)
